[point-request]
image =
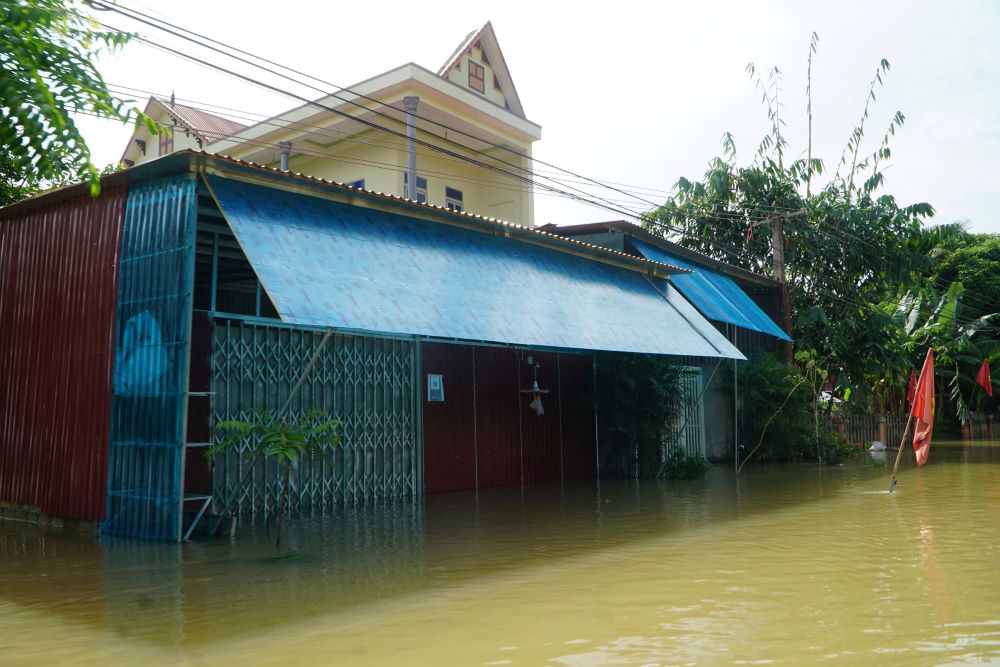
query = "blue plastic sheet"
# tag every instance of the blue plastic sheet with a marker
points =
(715, 294)
(351, 268)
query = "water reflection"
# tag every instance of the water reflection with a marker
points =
(787, 563)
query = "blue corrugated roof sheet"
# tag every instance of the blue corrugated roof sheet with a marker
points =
(715, 294)
(334, 265)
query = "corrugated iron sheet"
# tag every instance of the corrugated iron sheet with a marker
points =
(366, 270)
(152, 350)
(576, 377)
(715, 294)
(449, 425)
(497, 424)
(58, 266)
(484, 433)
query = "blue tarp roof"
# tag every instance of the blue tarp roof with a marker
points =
(715, 294)
(334, 265)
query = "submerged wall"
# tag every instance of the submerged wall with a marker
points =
(58, 272)
(484, 432)
(367, 382)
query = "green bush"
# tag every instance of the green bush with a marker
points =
(639, 400)
(682, 465)
(778, 396)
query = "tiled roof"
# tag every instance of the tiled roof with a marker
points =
(205, 125)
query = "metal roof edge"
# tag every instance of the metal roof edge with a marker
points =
(631, 229)
(313, 186)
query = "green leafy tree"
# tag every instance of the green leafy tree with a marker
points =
(851, 251)
(47, 48)
(973, 260)
(285, 440)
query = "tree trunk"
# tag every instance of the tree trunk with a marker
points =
(282, 504)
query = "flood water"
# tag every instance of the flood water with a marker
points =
(789, 564)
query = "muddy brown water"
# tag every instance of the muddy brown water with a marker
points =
(791, 564)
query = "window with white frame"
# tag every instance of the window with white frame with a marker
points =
(421, 187)
(453, 200)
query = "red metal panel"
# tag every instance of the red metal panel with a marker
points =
(58, 274)
(540, 433)
(449, 435)
(577, 381)
(497, 419)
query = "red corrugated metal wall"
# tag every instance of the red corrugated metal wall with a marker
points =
(449, 436)
(58, 271)
(484, 434)
(497, 405)
(579, 455)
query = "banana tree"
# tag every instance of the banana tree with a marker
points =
(936, 320)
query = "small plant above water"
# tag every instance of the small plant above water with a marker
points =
(682, 465)
(286, 441)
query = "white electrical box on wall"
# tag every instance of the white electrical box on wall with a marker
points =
(435, 388)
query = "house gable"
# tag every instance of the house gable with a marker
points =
(188, 128)
(478, 65)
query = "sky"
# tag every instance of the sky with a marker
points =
(638, 93)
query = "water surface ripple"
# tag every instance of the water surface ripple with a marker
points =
(789, 564)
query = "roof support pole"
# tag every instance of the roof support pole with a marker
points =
(410, 105)
(285, 148)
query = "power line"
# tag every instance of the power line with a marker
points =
(322, 131)
(155, 23)
(150, 20)
(602, 202)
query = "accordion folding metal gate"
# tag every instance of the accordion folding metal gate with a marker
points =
(368, 383)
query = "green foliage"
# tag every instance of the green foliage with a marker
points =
(856, 260)
(639, 400)
(781, 423)
(834, 450)
(47, 72)
(286, 441)
(15, 185)
(929, 317)
(973, 260)
(682, 465)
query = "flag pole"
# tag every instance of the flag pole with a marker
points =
(899, 454)
(902, 441)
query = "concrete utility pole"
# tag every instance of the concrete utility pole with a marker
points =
(778, 266)
(410, 106)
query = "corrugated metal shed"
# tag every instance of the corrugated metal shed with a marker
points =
(58, 267)
(153, 338)
(716, 295)
(328, 264)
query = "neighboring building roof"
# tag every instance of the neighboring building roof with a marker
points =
(353, 101)
(487, 39)
(715, 294)
(711, 285)
(208, 127)
(630, 229)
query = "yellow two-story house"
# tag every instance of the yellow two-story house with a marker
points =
(463, 128)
